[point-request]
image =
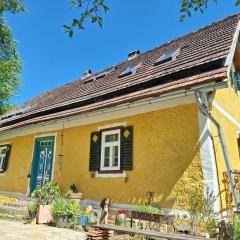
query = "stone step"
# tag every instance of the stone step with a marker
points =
(19, 204)
(13, 211)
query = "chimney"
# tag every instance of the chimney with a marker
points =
(87, 74)
(133, 54)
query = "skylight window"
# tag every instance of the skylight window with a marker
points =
(101, 75)
(129, 71)
(167, 57)
(98, 76)
(88, 80)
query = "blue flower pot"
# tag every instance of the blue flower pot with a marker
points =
(83, 220)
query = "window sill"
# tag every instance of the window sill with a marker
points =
(111, 174)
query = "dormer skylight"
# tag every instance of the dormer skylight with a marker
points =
(129, 70)
(98, 76)
(167, 57)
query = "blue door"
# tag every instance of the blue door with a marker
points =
(42, 163)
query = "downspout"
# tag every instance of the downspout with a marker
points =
(204, 109)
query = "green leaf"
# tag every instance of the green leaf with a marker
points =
(99, 22)
(182, 18)
(75, 22)
(70, 33)
(237, 3)
(67, 27)
(105, 7)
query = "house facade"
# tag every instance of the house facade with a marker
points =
(135, 129)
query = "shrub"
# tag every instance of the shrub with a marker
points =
(63, 206)
(67, 207)
(148, 209)
(237, 229)
(32, 207)
(46, 194)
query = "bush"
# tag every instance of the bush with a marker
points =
(147, 209)
(63, 206)
(46, 194)
(32, 207)
(237, 229)
(200, 207)
(66, 207)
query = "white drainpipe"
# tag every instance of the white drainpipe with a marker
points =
(204, 109)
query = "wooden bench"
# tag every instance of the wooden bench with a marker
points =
(148, 233)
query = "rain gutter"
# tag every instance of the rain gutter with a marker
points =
(204, 109)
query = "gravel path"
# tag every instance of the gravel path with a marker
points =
(10, 230)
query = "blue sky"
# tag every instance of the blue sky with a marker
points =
(52, 59)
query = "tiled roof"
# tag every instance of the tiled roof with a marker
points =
(201, 59)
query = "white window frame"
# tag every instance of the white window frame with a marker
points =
(1, 156)
(111, 145)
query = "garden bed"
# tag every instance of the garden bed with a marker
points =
(159, 218)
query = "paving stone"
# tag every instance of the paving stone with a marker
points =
(10, 230)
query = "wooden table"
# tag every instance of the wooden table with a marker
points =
(148, 233)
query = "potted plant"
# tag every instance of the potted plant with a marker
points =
(121, 217)
(65, 212)
(148, 213)
(32, 209)
(44, 197)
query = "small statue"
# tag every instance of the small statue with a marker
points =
(104, 214)
(73, 188)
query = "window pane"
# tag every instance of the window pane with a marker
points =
(115, 156)
(111, 137)
(3, 151)
(106, 156)
(1, 162)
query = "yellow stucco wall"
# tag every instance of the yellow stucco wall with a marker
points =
(166, 159)
(230, 102)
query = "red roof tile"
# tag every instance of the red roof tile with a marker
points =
(201, 59)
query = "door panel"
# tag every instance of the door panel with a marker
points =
(42, 162)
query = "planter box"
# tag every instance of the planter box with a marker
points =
(159, 218)
(44, 214)
(75, 196)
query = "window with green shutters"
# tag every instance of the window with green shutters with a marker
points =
(4, 156)
(95, 151)
(111, 150)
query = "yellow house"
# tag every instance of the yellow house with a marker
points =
(159, 124)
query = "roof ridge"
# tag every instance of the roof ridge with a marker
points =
(166, 43)
(175, 40)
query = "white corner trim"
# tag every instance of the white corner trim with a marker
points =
(226, 114)
(208, 158)
(111, 175)
(229, 59)
(112, 125)
(2, 174)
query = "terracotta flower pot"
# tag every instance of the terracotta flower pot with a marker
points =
(44, 214)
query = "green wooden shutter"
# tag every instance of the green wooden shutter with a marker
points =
(237, 80)
(95, 151)
(5, 163)
(127, 148)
